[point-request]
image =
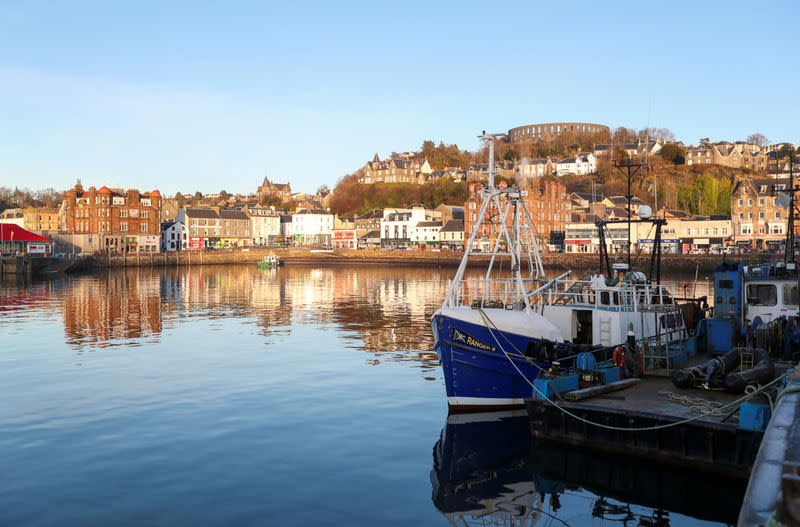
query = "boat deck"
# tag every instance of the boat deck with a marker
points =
(714, 441)
(648, 397)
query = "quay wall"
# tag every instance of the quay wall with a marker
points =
(675, 263)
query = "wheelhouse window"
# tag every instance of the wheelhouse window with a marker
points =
(791, 295)
(762, 294)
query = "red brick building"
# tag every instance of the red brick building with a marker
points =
(548, 204)
(114, 220)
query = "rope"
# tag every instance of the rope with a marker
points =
(695, 404)
(619, 428)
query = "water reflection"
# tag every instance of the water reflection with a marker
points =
(488, 471)
(382, 310)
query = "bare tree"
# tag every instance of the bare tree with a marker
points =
(757, 139)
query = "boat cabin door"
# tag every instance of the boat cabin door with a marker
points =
(582, 326)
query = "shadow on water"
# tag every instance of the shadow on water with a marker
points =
(487, 470)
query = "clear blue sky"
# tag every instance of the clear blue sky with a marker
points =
(186, 96)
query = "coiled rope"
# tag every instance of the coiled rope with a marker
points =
(490, 324)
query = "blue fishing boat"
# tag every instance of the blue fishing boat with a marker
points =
(497, 333)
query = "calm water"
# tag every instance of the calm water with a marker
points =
(231, 396)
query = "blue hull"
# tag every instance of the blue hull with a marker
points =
(477, 373)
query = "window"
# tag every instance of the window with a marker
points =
(123, 226)
(143, 226)
(760, 202)
(762, 294)
(791, 295)
(741, 202)
(777, 214)
(123, 213)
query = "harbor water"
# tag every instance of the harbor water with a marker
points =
(228, 395)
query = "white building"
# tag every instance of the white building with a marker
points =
(397, 225)
(583, 163)
(174, 237)
(426, 233)
(535, 168)
(311, 227)
(265, 224)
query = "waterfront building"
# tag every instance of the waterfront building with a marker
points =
(551, 132)
(36, 219)
(312, 227)
(370, 240)
(759, 219)
(112, 220)
(203, 227)
(425, 234)
(174, 237)
(15, 239)
(682, 234)
(549, 206)
(235, 228)
(400, 168)
(368, 222)
(268, 189)
(265, 223)
(397, 226)
(344, 233)
(451, 236)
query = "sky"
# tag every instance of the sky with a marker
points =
(210, 96)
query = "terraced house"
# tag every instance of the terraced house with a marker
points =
(235, 229)
(203, 226)
(112, 220)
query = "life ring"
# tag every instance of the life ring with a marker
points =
(618, 357)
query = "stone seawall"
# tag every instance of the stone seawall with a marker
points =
(676, 263)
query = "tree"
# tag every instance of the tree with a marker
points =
(323, 189)
(674, 153)
(757, 139)
(198, 195)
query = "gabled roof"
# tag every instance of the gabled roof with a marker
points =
(202, 213)
(373, 214)
(15, 233)
(229, 214)
(453, 226)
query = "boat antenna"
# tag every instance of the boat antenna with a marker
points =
(628, 169)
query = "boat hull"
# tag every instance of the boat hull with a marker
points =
(483, 370)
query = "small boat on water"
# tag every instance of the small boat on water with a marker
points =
(495, 334)
(270, 261)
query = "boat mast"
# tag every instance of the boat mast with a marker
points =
(789, 252)
(630, 170)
